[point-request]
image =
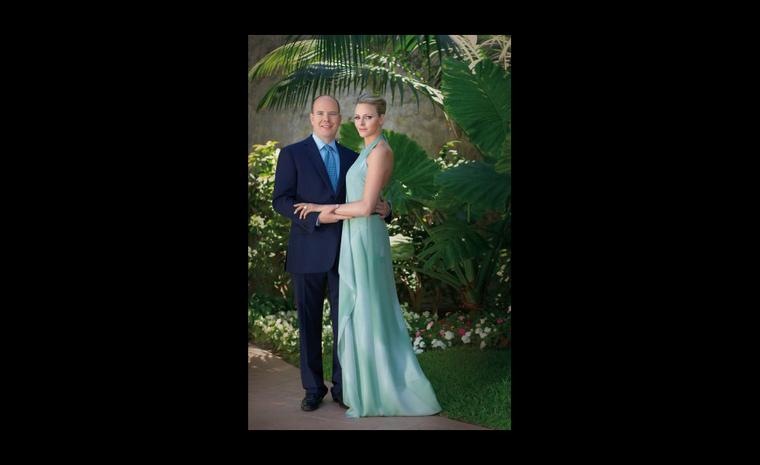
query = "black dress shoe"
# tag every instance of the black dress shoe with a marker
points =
(310, 402)
(339, 400)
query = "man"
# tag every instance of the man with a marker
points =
(314, 170)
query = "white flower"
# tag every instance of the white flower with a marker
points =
(422, 344)
(449, 335)
(418, 351)
(426, 314)
(466, 338)
(257, 221)
(488, 329)
(438, 344)
(482, 344)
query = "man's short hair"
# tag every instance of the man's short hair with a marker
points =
(330, 96)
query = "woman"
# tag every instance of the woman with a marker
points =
(381, 375)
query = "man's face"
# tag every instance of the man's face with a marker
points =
(325, 119)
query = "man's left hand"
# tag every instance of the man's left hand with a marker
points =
(382, 208)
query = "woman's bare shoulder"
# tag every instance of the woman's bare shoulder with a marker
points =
(381, 150)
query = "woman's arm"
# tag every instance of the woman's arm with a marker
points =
(379, 170)
(304, 208)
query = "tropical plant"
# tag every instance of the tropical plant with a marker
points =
(329, 64)
(465, 254)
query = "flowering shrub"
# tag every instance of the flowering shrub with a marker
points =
(428, 332)
(267, 230)
(279, 326)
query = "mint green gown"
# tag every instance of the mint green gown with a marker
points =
(381, 375)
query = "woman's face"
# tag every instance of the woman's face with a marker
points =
(366, 119)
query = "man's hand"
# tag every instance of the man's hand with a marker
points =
(326, 216)
(381, 208)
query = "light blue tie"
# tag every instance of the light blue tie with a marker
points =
(332, 171)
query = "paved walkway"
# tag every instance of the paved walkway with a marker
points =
(274, 402)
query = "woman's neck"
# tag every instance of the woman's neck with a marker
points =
(371, 138)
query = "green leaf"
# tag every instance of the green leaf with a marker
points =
(450, 244)
(414, 173)
(442, 276)
(504, 163)
(480, 103)
(476, 183)
(349, 136)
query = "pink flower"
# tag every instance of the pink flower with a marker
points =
(461, 318)
(418, 334)
(461, 331)
(499, 321)
(441, 332)
(430, 325)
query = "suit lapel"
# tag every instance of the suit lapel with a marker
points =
(316, 160)
(345, 164)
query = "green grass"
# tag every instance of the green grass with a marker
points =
(472, 385)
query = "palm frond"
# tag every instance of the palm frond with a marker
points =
(301, 86)
(469, 49)
(304, 84)
(499, 50)
(358, 59)
(285, 59)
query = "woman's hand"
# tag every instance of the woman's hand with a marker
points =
(303, 209)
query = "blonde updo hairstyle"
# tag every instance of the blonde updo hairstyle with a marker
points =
(378, 102)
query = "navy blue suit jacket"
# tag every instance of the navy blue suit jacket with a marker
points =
(301, 176)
